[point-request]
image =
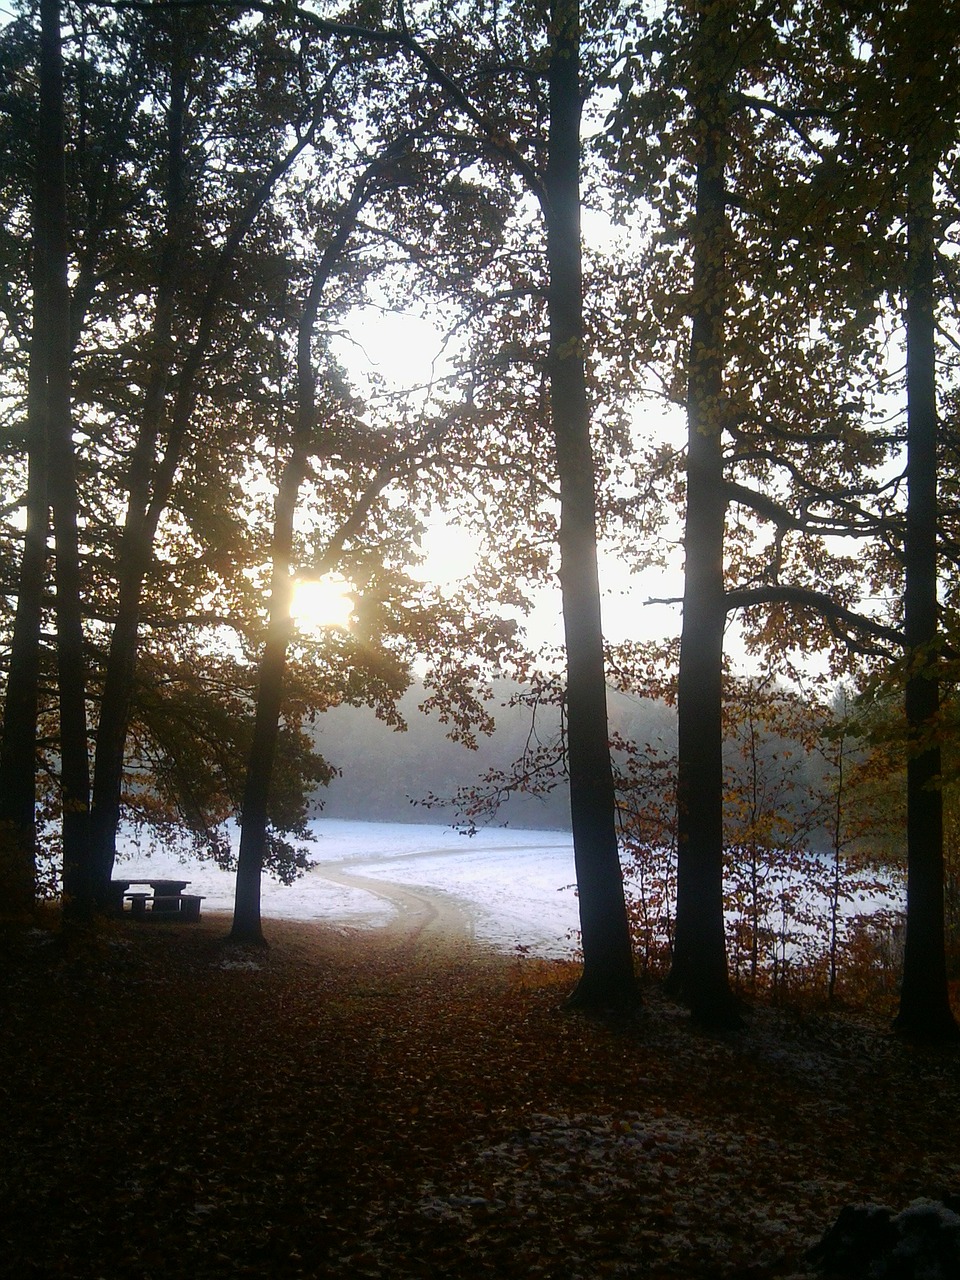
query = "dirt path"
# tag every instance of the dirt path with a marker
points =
(427, 920)
(431, 911)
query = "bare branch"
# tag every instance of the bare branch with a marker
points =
(858, 526)
(820, 602)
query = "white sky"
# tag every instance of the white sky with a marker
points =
(407, 351)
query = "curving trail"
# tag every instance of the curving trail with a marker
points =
(427, 920)
(504, 898)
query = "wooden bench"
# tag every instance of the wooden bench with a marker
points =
(170, 906)
(138, 904)
(182, 906)
(190, 907)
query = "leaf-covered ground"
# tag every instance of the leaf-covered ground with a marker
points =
(350, 1105)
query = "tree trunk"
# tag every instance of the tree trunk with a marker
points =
(924, 1012)
(52, 333)
(608, 978)
(18, 755)
(255, 812)
(151, 482)
(137, 543)
(699, 971)
(256, 794)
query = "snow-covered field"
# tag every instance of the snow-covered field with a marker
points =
(510, 888)
(517, 885)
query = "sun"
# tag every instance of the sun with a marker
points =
(323, 602)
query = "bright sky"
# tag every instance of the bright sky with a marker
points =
(407, 351)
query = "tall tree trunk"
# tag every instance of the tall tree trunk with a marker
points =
(137, 543)
(52, 332)
(151, 482)
(608, 977)
(924, 1012)
(256, 794)
(254, 819)
(699, 971)
(18, 753)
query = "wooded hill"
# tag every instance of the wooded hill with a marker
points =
(419, 775)
(385, 775)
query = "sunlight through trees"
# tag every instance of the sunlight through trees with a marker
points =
(218, 509)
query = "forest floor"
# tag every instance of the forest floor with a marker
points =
(392, 1105)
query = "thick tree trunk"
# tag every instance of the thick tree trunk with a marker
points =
(924, 1012)
(18, 754)
(699, 971)
(52, 332)
(115, 703)
(256, 795)
(608, 977)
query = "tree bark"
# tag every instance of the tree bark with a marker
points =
(924, 1012)
(254, 819)
(699, 970)
(137, 542)
(247, 928)
(608, 976)
(151, 481)
(18, 754)
(52, 333)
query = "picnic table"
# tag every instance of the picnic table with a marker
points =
(167, 899)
